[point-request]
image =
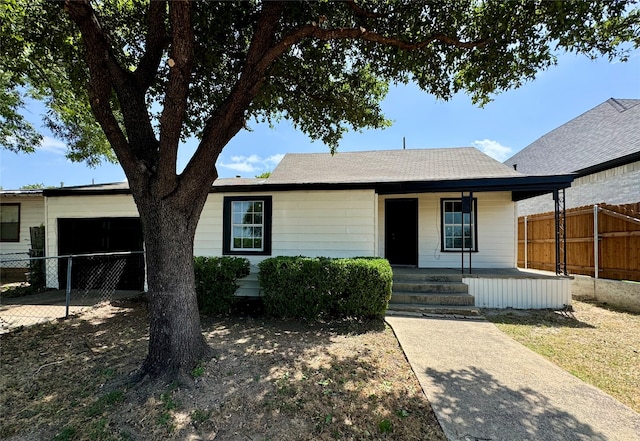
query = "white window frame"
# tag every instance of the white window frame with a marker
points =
(451, 221)
(244, 226)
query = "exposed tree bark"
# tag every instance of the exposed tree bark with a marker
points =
(176, 343)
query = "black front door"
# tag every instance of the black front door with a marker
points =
(401, 231)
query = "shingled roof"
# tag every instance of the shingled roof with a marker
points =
(385, 171)
(388, 166)
(603, 137)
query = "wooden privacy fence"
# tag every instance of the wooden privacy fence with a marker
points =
(614, 255)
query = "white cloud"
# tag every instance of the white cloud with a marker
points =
(53, 145)
(493, 148)
(246, 159)
(252, 164)
(274, 159)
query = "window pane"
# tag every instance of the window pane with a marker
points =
(10, 223)
(457, 225)
(247, 229)
(9, 213)
(9, 231)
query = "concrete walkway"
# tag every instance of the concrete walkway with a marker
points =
(483, 385)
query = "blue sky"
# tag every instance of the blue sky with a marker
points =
(503, 127)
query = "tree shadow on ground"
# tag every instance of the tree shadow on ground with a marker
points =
(269, 379)
(475, 405)
(535, 317)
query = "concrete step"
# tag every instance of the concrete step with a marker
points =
(248, 286)
(418, 310)
(431, 287)
(423, 277)
(412, 298)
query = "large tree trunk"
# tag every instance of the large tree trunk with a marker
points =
(176, 343)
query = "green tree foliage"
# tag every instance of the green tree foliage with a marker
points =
(328, 66)
(37, 186)
(132, 79)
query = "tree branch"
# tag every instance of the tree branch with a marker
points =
(311, 31)
(137, 150)
(102, 69)
(358, 11)
(175, 102)
(230, 116)
(156, 42)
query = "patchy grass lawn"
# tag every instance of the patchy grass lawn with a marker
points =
(270, 380)
(599, 345)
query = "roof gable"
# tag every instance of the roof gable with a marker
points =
(388, 166)
(602, 135)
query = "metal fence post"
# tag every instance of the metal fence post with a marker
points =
(596, 238)
(68, 300)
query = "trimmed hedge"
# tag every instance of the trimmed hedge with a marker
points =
(313, 288)
(216, 282)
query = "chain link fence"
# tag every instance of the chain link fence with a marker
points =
(41, 289)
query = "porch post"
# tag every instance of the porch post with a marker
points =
(561, 233)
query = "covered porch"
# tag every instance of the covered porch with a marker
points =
(451, 290)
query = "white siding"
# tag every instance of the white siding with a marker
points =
(310, 223)
(208, 241)
(31, 215)
(324, 223)
(84, 207)
(519, 293)
(496, 231)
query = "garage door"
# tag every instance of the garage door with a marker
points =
(101, 235)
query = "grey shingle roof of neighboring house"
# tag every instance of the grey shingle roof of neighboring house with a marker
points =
(388, 166)
(601, 137)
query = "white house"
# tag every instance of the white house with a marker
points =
(19, 211)
(428, 208)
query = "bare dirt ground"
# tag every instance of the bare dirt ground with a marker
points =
(269, 380)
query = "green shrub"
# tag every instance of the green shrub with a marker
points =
(313, 288)
(216, 281)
